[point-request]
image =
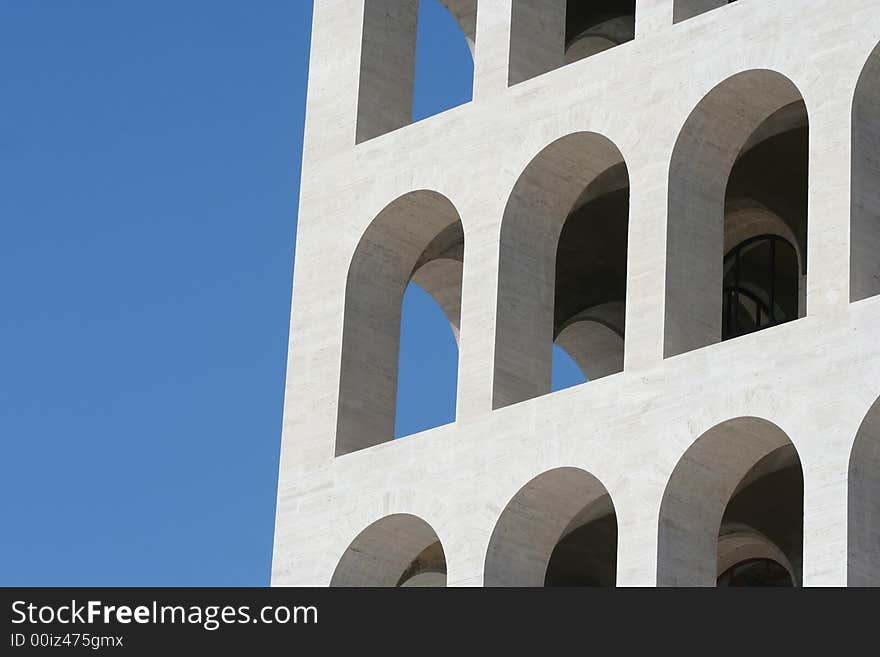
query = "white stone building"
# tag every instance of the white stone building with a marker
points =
(685, 195)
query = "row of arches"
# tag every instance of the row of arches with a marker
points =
(548, 34)
(403, 41)
(736, 249)
(731, 515)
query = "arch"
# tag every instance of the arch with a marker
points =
(742, 544)
(563, 251)
(740, 479)
(397, 550)
(716, 162)
(559, 528)
(401, 243)
(761, 285)
(863, 521)
(745, 219)
(865, 211)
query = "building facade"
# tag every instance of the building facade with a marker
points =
(685, 195)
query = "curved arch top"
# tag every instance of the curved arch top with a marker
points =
(712, 139)
(564, 175)
(556, 177)
(397, 550)
(543, 512)
(745, 220)
(416, 229)
(719, 463)
(865, 175)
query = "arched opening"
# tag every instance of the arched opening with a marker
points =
(761, 283)
(865, 228)
(684, 9)
(560, 529)
(418, 238)
(562, 276)
(398, 550)
(737, 219)
(547, 34)
(863, 520)
(732, 511)
(416, 61)
(428, 358)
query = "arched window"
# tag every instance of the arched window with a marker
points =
(760, 285)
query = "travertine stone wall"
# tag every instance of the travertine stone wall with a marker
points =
(636, 432)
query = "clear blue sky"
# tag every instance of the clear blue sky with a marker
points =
(149, 176)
